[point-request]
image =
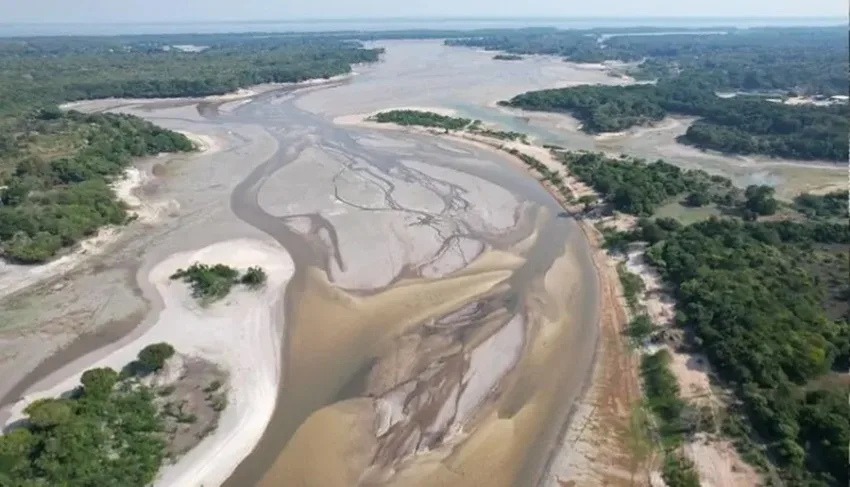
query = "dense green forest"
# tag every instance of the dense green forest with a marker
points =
(767, 301)
(55, 167)
(44, 70)
(736, 125)
(109, 431)
(632, 186)
(805, 60)
(753, 296)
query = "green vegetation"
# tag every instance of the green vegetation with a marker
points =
(690, 69)
(254, 277)
(55, 166)
(640, 328)
(766, 303)
(809, 60)
(507, 57)
(46, 70)
(632, 186)
(735, 125)
(213, 282)
(431, 119)
(632, 287)
(55, 169)
(152, 358)
(830, 205)
(423, 119)
(108, 432)
(672, 418)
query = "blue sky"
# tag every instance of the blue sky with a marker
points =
(99, 11)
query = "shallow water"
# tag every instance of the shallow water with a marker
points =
(442, 316)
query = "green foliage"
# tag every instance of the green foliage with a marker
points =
(760, 200)
(213, 282)
(53, 201)
(662, 397)
(55, 166)
(254, 277)
(640, 328)
(806, 60)
(632, 286)
(113, 437)
(746, 291)
(152, 358)
(424, 119)
(830, 205)
(735, 125)
(679, 471)
(99, 382)
(634, 187)
(208, 282)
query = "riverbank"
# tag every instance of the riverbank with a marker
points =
(593, 446)
(16, 277)
(242, 334)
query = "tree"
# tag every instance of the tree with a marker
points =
(99, 382)
(697, 199)
(760, 200)
(152, 358)
(47, 413)
(254, 277)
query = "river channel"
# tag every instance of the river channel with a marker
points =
(442, 317)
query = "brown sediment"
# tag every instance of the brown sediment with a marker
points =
(424, 355)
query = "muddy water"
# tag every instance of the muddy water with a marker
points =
(416, 339)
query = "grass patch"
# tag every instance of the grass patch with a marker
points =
(687, 214)
(632, 287)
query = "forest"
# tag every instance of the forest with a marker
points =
(768, 301)
(56, 166)
(636, 187)
(738, 125)
(804, 60)
(109, 431)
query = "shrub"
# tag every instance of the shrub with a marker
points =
(153, 357)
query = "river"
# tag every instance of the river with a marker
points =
(442, 318)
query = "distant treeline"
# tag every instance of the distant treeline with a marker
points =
(735, 125)
(55, 167)
(809, 60)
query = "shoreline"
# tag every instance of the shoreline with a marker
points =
(15, 278)
(612, 315)
(240, 333)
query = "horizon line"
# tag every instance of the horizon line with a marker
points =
(547, 18)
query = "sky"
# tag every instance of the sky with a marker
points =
(142, 11)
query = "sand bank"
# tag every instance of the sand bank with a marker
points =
(242, 334)
(204, 144)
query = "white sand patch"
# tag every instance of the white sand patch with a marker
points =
(488, 363)
(205, 144)
(242, 334)
(718, 464)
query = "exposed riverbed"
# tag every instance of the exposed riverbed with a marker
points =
(441, 317)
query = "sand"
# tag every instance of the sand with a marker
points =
(240, 334)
